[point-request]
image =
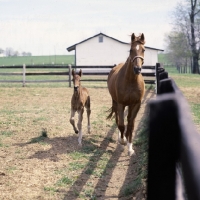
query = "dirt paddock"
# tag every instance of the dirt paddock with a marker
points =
(33, 166)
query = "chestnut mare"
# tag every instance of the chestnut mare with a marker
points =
(80, 99)
(126, 86)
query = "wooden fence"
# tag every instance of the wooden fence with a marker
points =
(174, 146)
(23, 74)
(149, 73)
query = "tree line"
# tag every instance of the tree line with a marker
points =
(183, 42)
(8, 52)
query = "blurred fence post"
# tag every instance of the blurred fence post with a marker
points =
(70, 72)
(157, 78)
(24, 75)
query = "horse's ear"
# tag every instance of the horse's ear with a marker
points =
(80, 73)
(142, 39)
(133, 37)
(73, 72)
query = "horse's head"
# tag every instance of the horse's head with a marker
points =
(76, 80)
(137, 52)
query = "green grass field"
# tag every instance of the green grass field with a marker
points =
(188, 83)
(48, 60)
(36, 60)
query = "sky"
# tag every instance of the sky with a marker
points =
(48, 27)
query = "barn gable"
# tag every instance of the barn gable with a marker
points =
(103, 50)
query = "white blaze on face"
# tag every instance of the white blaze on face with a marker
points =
(137, 47)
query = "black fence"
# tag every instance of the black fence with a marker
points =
(174, 146)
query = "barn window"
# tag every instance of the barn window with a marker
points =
(101, 38)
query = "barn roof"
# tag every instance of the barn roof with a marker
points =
(73, 47)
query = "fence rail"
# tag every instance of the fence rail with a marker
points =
(34, 66)
(147, 72)
(174, 146)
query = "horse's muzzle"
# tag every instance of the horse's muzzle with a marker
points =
(75, 88)
(137, 70)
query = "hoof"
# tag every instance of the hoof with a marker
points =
(123, 141)
(88, 129)
(76, 132)
(131, 153)
(122, 147)
(80, 145)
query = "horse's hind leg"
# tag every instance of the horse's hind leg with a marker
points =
(72, 121)
(87, 105)
(120, 112)
(79, 124)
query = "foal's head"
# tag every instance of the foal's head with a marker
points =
(137, 52)
(76, 80)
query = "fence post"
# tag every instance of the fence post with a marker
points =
(163, 148)
(24, 75)
(157, 78)
(70, 72)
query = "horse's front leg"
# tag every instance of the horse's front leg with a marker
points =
(132, 113)
(79, 124)
(72, 121)
(120, 112)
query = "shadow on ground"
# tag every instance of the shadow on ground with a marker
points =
(64, 145)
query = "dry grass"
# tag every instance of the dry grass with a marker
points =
(25, 112)
(39, 156)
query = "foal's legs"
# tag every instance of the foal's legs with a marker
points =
(120, 119)
(79, 124)
(132, 113)
(87, 105)
(72, 121)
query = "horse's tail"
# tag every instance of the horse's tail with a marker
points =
(112, 111)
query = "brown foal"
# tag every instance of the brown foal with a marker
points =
(80, 99)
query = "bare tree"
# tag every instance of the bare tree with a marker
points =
(1, 51)
(187, 22)
(23, 53)
(194, 39)
(26, 53)
(29, 54)
(178, 50)
(15, 53)
(9, 52)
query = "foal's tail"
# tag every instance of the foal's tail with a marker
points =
(112, 111)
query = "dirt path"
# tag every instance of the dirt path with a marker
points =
(117, 179)
(54, 168)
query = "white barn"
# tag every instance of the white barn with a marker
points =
(103, 50)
